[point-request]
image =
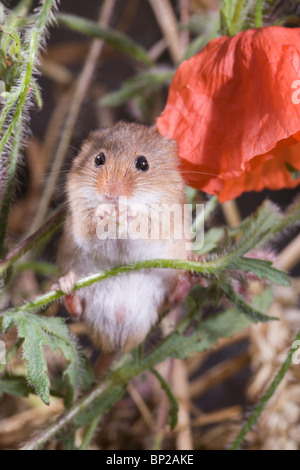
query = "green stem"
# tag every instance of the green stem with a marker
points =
(258, 13)
(15, 128)
(44, 300)
(226, 12)
(89, 433)
(270, 392)
(23, 91)
(66, 418)
(11, 170)
(236, 17)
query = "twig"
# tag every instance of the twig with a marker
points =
(53, 224)
(218, 373)
(168, 24)
(181, 389)
(290, 255)
(194, 363)
(226, 414)
(56, 72)
(270, 392)
(141, 405)
(80, 92)
(231, 213)
(157, 49)
(55, 124)
(184, 18)
(17, 427)
(67, 417)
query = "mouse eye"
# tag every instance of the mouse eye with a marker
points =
(141, 163)
(100, 159)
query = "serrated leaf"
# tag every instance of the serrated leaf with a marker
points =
(291, 216)
(173, 403)
(211, 240)
(252, 313)
(263, 269)
(257, 228)
(38, 332)
(205, 334)
(33, 354)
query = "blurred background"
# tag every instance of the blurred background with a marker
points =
(81, 92)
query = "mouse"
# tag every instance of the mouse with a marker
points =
(131, 163)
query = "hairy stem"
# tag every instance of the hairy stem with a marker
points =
(16, 105)
(46, 299)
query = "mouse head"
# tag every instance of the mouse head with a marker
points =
(128, 160)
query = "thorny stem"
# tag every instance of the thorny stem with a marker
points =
(11, 170)
(19, 100)
(270, 392)
(44, 300)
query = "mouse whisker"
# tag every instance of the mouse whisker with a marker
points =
(198, 172)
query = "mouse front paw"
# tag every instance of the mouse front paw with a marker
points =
(65, 283)
(72, 301)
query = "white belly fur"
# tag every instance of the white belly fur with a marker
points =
(120, 311)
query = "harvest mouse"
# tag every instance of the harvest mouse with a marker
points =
(132, 162)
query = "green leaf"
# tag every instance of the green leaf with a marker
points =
(263, 300)
(148, 81)
(211, 240)
(15, 385)
(173, 412)
(118, 40)
(263, 269)
(38, 332)
(252, 313)
(294, 172)
(291, 216)
(40, 267)
(257, 228)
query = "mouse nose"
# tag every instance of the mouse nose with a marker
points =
(115, 190)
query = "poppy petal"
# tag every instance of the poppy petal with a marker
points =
(230, 108)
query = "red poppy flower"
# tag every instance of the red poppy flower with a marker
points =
(233, 110)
